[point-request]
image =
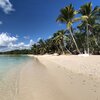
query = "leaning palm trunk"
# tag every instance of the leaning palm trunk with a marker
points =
(62, 51)
(68, 51)
(74, 41)
(61, 47)
(95, 40)
(58, 49)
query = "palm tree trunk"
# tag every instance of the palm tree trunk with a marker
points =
(74, 41)
(66, 47)
(57, 49)
(88, 51)
(61, 47)
(68, 51)
(95, 40)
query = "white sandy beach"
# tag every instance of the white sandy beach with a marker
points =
(77, 77)
(58, 78)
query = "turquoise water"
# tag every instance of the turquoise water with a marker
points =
(10, 74)
(8, 62)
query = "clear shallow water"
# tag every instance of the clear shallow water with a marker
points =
(9, 62)
(9, 75)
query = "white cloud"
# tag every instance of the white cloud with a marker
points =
(8, 43)
(31, 42)
(20, 45)
(6, 6)
(6, 39)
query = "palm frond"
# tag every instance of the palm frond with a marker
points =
(76, 19)
(66, 14)
(86, 9)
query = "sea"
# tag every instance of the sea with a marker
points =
(9, 74)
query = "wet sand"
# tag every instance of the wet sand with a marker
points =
(54, 78)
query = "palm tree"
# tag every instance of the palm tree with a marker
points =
(35, 49)
(59, 40)
(88, 16)
(50, 46)
(67, 16)
(42, 46)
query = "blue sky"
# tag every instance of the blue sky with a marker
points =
(29, 20)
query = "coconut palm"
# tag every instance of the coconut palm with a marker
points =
(42, 46)
(89, 17)
(50, 46)
(67, 16)
(35, 49)
(59, 40)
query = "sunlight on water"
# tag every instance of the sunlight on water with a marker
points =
(9, 75)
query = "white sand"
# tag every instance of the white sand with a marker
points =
(77, 77)
(58, 78)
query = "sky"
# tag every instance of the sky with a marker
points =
(24, 22)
